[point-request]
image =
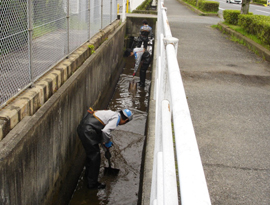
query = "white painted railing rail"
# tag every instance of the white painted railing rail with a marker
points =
(172, 107)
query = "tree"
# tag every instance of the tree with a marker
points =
(245, 6)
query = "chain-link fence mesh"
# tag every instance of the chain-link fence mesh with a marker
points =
(36, 34)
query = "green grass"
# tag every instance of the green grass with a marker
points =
(197, 8)
(244, 33)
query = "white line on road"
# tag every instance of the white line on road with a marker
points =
(263, 11)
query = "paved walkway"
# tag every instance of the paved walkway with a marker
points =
(228, 92)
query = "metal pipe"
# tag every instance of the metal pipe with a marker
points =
(160, 180)
(89, 25)
(191, 175)
(124, 11)
(110, 11)
(166, 26)
(68, 22)
(101, 13)
(30, 40)
(169, 176)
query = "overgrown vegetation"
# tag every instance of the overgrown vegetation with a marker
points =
(145, 5)
(204, 6)
(255, 26)
(92, 48)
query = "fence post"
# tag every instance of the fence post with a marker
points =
(101, 14)
(89, 13)
(124, 11)
(67, 40)
(110, 11)
(127, 6)
(30, 39)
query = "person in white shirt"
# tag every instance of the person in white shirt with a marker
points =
(140, 55)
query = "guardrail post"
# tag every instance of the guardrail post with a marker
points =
(173, 41)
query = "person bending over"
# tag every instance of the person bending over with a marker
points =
(140, 55)
(95, 128)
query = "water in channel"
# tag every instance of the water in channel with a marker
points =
(126, 153)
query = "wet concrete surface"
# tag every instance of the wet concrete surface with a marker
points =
(127, 150)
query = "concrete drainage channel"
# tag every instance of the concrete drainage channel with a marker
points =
(127, 151)
(42, 152)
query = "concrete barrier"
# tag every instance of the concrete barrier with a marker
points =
(40, 151)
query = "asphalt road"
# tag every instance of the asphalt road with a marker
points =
(253, 8)
(227, 88)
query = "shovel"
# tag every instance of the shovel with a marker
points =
(132, 85)
(109, 170)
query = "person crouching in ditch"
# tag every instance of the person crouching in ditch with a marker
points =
(95, 128)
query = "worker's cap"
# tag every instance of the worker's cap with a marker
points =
(128, 114)
(144, 22)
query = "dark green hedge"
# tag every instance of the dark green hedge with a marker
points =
(192, 2)
(231, 16)
(257, 25)
(209, 6)
(206, 6)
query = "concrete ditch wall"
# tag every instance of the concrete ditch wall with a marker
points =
(40, 151)
(134, 23)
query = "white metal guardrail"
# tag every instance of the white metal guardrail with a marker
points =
(171, 106)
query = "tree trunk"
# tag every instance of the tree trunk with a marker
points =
(245, 6)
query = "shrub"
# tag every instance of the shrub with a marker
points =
(261, 28)
(191, 2)
(246, 22)
(209, 6)
(260, 1)
(231, 16)
(257, 25)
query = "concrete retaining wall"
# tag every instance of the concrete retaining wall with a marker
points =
(134, 23)
(40, 151)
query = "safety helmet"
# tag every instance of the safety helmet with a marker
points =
(128, 114)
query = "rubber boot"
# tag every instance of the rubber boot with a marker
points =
(143, 75)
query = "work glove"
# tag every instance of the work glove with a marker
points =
(134, 74)
(108, 144)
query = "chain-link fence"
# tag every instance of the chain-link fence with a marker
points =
(36, 34)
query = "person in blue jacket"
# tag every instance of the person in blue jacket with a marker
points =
(145, 32)
(95, 128)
